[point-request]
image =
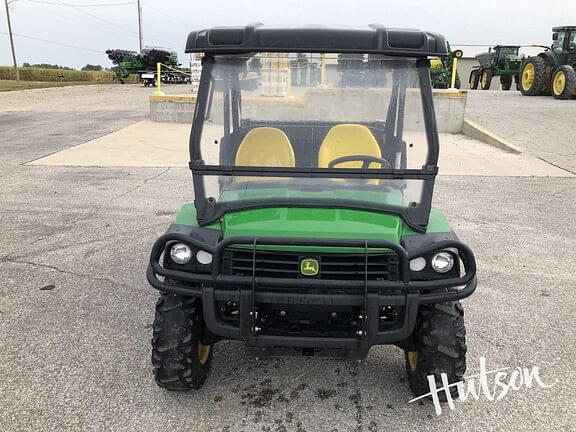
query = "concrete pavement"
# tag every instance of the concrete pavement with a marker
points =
(76, 356)
(153, 144)
(542, 125)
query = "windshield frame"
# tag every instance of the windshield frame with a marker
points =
(416, 216)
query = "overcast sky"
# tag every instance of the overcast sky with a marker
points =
(96, 25)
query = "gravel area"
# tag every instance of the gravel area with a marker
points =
(50, 120)
(542, 125)
(105, 97)
(76, 311)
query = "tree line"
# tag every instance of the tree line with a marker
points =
(88, 67)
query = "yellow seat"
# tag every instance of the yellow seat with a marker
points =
(348, 140)
(265, 147)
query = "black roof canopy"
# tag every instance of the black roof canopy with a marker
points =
(564, 28)
(373, 39)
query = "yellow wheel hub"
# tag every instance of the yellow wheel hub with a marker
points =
(203, 352)
(412, 360)
(484, 79)
(528, 76)
(559, 84)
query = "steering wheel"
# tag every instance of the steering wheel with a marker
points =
(366, 161)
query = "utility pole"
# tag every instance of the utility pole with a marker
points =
(12, 42)
(140, 24)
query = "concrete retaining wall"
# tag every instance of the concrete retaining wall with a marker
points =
(450, 107)
(319, 105)
(172, 108)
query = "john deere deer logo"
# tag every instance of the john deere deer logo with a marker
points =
(309, 267)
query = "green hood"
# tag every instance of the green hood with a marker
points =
(313, 222)
(330, 223)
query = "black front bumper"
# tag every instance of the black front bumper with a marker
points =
(369, 295)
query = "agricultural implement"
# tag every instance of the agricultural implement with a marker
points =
(552, 71)
(500, 61)
(145, 65)
(441, 69)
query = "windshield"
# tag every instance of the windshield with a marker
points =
(504, 51)
(300, 123)
(558, 44)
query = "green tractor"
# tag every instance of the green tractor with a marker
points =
(501, 60)
(441, 69)
(552, 71)
(312, 232)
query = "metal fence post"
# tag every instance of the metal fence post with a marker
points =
(453, 81)
(158, 91)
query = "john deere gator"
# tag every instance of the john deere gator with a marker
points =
(311, 232)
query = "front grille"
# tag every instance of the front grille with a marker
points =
(333, 266)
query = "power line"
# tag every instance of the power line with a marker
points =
(55, 43)
(109, 23)
(77, 8)
(81, 5)
(70, 16)
(59, 5)
(161, 12)
(99, 19)
(487, 45)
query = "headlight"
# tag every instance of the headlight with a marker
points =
(417, 264)
(204, 257)
(442, 262)
(180, 253)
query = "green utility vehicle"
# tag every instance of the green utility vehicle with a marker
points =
(311, 231)
(441, 69)
(552, 71)
(501, 60)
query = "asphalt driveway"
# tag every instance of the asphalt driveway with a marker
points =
(76, 311)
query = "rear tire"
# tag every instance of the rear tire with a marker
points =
(506, 82)
(440, 340)
(486, 79)
(179, 358)
(563, 82)
(533, 76)
(473, 80)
